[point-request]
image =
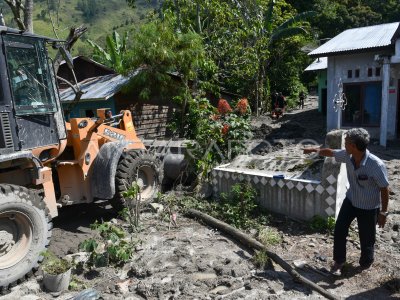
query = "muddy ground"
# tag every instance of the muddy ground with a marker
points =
(193, 261)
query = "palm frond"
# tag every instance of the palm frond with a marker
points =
(99, 50)
(113, 51)
(117, 40)
(286, 32)
(268, 16)
(297, 18)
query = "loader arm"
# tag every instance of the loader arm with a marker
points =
(95, 149)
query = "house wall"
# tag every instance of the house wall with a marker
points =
(393, 103)
(79, 109)
(338, 67)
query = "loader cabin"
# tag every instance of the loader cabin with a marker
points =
(30, 114)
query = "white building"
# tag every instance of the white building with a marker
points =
(365, 62)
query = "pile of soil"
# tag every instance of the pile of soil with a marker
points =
(193, 261)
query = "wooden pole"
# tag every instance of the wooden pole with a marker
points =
(246, 240)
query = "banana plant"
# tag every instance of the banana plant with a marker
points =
(113, 55)
(268, 34)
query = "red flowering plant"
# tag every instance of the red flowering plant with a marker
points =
(224, 107)
(219, 134)
(242, 107)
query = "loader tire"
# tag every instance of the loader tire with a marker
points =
(141, 166)
(25, 231)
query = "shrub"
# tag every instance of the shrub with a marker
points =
(321, 224)
(239, 205)
(218, 134)
(54, 265)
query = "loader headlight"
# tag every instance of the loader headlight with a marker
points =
(87, 158)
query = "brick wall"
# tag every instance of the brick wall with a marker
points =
(151, 120)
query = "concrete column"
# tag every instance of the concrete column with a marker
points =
(385, 101)
(332, 86)
(334, 174)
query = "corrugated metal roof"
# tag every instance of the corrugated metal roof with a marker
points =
(321, 63)
(359, 39)
(96, 88)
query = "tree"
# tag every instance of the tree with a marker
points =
(23, 13)
(158, 50)
(239, 36)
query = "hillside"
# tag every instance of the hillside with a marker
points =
(101, 19)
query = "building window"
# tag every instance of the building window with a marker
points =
(363, 104)
(357, 73)
(377, 72)
(349, 73)
(369, 72)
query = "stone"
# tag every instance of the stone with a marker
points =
(79, 257)
(238, 272)
(123, 286)
(156, 207)
(203, 276)
(387, 236)
(218, 289)
(321, 257)
(30, 297)
(299, 263)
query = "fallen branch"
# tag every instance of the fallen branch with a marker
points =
(246, 240)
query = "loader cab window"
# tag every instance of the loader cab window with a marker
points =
(30, 75)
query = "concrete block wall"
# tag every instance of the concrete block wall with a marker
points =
(297, 198)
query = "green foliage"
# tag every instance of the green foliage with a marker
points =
(76, 284)
(54, 265)
(321, 224)
(131, 212)
(111, 247)
(240, 39)
(89, 8)
(238, 208)
(269, 236)
(261, 260)
(239, 205)
(158, 50)
(218, 136)
(114, 53)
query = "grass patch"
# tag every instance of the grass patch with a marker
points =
(269, 236)
(261, 260)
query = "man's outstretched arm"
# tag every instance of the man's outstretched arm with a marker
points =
(321, 151)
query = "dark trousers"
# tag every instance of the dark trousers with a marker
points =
(366, 219)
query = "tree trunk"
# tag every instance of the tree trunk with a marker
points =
(198, 19)
(17, 7)
(246, 240)
(178, 15)
(28, 16)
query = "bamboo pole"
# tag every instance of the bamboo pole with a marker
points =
(246, 240)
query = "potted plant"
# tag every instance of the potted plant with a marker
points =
(56, 272)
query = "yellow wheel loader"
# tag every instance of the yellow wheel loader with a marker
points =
(46, 163)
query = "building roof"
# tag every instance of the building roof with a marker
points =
(321, 63)
(96, 88)
(89, 60)
(360, 40)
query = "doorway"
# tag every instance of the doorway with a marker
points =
(398, 109)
